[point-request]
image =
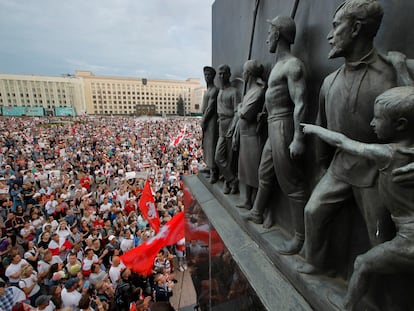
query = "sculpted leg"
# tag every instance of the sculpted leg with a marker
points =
(295, 245)
(214, 175)
(324, 203)
(247, 200)
(267, 180)
(220, 155)
(377, 218)
(256, 213)
(390, 257)
(226, 187)
(358, 284)
(234, 185)
(253, 195)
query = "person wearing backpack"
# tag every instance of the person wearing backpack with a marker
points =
(125, 292)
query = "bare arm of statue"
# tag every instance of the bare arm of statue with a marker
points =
(381, 153)
(211, 108)
(404, 175)
(403, 67)
(297, 91)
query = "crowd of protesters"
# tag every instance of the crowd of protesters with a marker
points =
(69, 189)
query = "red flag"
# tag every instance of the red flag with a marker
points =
(141, 258)
(147, 206)
(209, 237)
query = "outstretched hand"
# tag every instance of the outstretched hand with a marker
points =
(404, 175)
(310, 128)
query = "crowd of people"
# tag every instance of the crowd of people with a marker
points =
(69, 192)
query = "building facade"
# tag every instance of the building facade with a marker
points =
(35, 95)
(107, 95)
(198, 99)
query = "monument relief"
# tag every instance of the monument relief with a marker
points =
(285, 106)
(247, 140)
(209, 123)
(227, 101)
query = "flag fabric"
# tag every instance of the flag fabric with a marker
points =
(147, 206)
(179, 138)
(209, 237)
(29, 139)
(141, 258)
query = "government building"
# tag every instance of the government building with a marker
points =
(86, 93)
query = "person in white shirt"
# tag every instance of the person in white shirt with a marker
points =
(43, 266)
(45, 189)
(44, 303)
(13, 270)
(127, 242)
(70, 295)
(41, 176)
(63, 230)
(105, 206)
(50, 205)
(122, 196)
(115, 270)
(65, 195)
(88, 260)
(28, 283)
(58, 246)
(50, 222)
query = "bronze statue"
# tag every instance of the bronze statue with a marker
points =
(393, 123)
(346, 106)
(227, 101)
(209, 123)
(247, 142)
(285, 106)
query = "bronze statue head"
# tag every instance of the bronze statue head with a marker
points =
(285, 26)
(354, 22)
(209, 73)
(252, 68)
(368, 12)
(209, 69)
(224, 74)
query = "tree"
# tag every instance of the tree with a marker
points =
(180, 106)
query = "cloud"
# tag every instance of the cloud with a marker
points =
(160, 38)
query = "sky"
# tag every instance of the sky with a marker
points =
(158, 39)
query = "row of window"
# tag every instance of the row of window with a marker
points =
(10, 87)
(34, 95)
(28, 101)
(147, 94)
(133, 86)
(48, 106)
(133, 102)
(129, 106)
(128, 112)
(137, 98)
(94, 91)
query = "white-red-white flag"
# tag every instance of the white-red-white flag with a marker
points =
(147, 206)
(179, 138)
(29, 139)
